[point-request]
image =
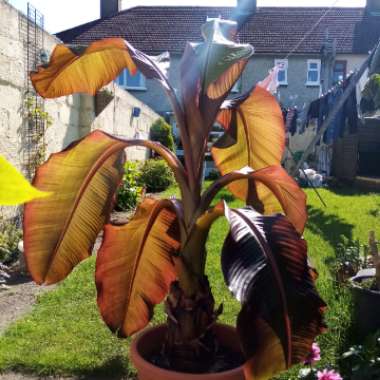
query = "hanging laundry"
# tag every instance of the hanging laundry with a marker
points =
(348, 115)
(291, 120)
(313, 110)
(284, 114)
(270, 83)
(303, 119)
(325, 159)
(350, 108)
(323, 110)
(337, 125)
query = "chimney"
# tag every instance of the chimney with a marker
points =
(109, 8)
(250, 5)
(373, 7)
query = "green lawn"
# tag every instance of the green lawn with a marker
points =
(65, 335)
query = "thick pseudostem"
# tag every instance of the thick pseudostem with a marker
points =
(190, 343)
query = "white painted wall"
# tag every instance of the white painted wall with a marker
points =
(73, 116)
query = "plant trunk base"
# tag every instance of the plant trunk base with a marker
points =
(190, 344)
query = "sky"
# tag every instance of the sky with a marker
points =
(64, 14)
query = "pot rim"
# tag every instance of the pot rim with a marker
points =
(138, 360)
(355, 283)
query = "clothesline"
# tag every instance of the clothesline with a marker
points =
(355, 79)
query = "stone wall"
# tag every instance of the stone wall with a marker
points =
(73, 116)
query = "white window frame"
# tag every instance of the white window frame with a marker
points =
(124, 84)
(283, 66)
(309, 62)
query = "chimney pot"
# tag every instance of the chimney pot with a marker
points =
(109, 8)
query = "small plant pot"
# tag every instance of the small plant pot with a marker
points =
(148, 341)
(366, 308)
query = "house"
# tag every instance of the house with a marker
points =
(295, 37)
(27, 138)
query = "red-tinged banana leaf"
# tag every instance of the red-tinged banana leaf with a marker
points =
(134, 266)
(70, 71)
(264, 262)
(255, 136)
(271, 191)
(79, 69)
(208, 72)
(60, 231)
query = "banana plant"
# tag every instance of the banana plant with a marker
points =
(160, 254)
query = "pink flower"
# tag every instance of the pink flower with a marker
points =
(328, 375)
(314, 356)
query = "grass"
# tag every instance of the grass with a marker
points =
(65, 335)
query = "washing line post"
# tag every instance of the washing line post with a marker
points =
(330, 118)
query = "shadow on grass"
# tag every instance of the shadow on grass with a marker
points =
(113, 369)
(329, 226)
(225, 195)
(348, 191)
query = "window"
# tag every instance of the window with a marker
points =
(131, 82)
(282, 77)
(237, 86)
(313, 72)
(340, 71)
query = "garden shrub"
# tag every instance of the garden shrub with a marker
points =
(155, 175)
(129, 191)
(213, 175)
(371, 95)
(10, 236)
(161, 131)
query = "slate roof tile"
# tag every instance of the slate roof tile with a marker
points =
(272, 30)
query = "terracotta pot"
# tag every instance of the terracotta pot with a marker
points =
(148, 340)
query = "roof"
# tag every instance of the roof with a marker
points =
(271, 30)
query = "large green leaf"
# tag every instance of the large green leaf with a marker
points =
(264, 262)
(134, 266)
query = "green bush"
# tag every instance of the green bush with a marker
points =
(10, 236)
(371, 94)
(155, 176)
(129, 191)
(213, 175)
(162, 132)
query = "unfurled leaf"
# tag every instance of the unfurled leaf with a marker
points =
(70, 71)
(134, 266)
(208, 72)
(264, 262)
(60, 231)
(153, 67)
(271, 190)
(255, 136)
(14, 188)
(222, 59)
